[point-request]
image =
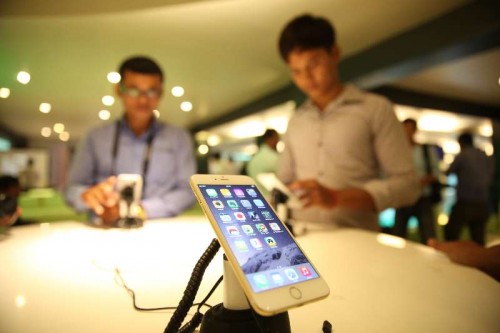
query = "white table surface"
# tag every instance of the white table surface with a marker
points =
(60, 277)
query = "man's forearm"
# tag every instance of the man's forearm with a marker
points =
(354, 198)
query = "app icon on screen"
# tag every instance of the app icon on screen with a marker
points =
(218, 204)
(262, 228)
(291, 274)
(277, 278)
(225, 192)
(256, 243)
(232, 203)
(211, 192)
(240, 216)
(261, 280)
(305, 271)
(275, 226)
(267, 215)
(225, 217)
(251, 192)
(254, 216)
(258, 203)
(241, 245)
(246, 204)
(247, 229)
(232, 230)
(271, 242)
(239, 192)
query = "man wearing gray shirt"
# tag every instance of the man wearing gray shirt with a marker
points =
(135, 144)
(345, 151)
(474, 172)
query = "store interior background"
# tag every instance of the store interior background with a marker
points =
(438, 61)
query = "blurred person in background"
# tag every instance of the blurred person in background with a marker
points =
(135, 144)
(426, 162)
(342, 139)
(467, 253)
(217, 165)
(474, 171)
(10, 189)
(266, 158)
(28, 177)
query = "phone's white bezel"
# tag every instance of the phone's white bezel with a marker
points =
(267, 302)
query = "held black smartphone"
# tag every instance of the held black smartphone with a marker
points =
(272, 269)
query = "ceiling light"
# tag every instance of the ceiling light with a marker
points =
(58, 128)
(177, 91)
(213, 140)
(23, 77)
(46, 132)
(64, 136)
(486, 129)
(203, 149)
(442, 219)
(202, 136)
(156, 113)
(450, 147)
(104, 114)
(438, 123)
(45, 107)
(114, 77)
(4, 92)
(186, 106)
(488, 149)
(278, 123)
(108, 100)
(248, 129)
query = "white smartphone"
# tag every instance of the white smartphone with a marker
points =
(270, 181)
(129, 187)
(272, 269)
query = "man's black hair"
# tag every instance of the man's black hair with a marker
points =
(410, 121)
(269, 133)
(306, 32)
(466, 139)
(7, 182)
(143, 65)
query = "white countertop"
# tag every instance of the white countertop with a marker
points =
(60, 277)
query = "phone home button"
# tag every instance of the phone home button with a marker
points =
(295, 293)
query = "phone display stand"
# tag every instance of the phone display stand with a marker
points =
(235, 315)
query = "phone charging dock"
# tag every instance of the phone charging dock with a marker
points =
(235, 314)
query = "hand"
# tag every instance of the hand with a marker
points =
(313, 193)
(8, 220)
(103, 200)
(461, 252)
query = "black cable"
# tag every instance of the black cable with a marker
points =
(131, 292)
(198, 316)
(192, 288)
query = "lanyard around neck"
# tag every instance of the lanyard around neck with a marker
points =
(147, 153)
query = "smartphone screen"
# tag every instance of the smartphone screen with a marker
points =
(264, 249)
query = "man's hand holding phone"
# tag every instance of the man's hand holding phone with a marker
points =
(312, 193)
(103, 199)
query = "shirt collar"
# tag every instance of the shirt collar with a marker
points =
(349, 95)
(153, 127)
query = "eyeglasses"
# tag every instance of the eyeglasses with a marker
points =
(136, 93)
